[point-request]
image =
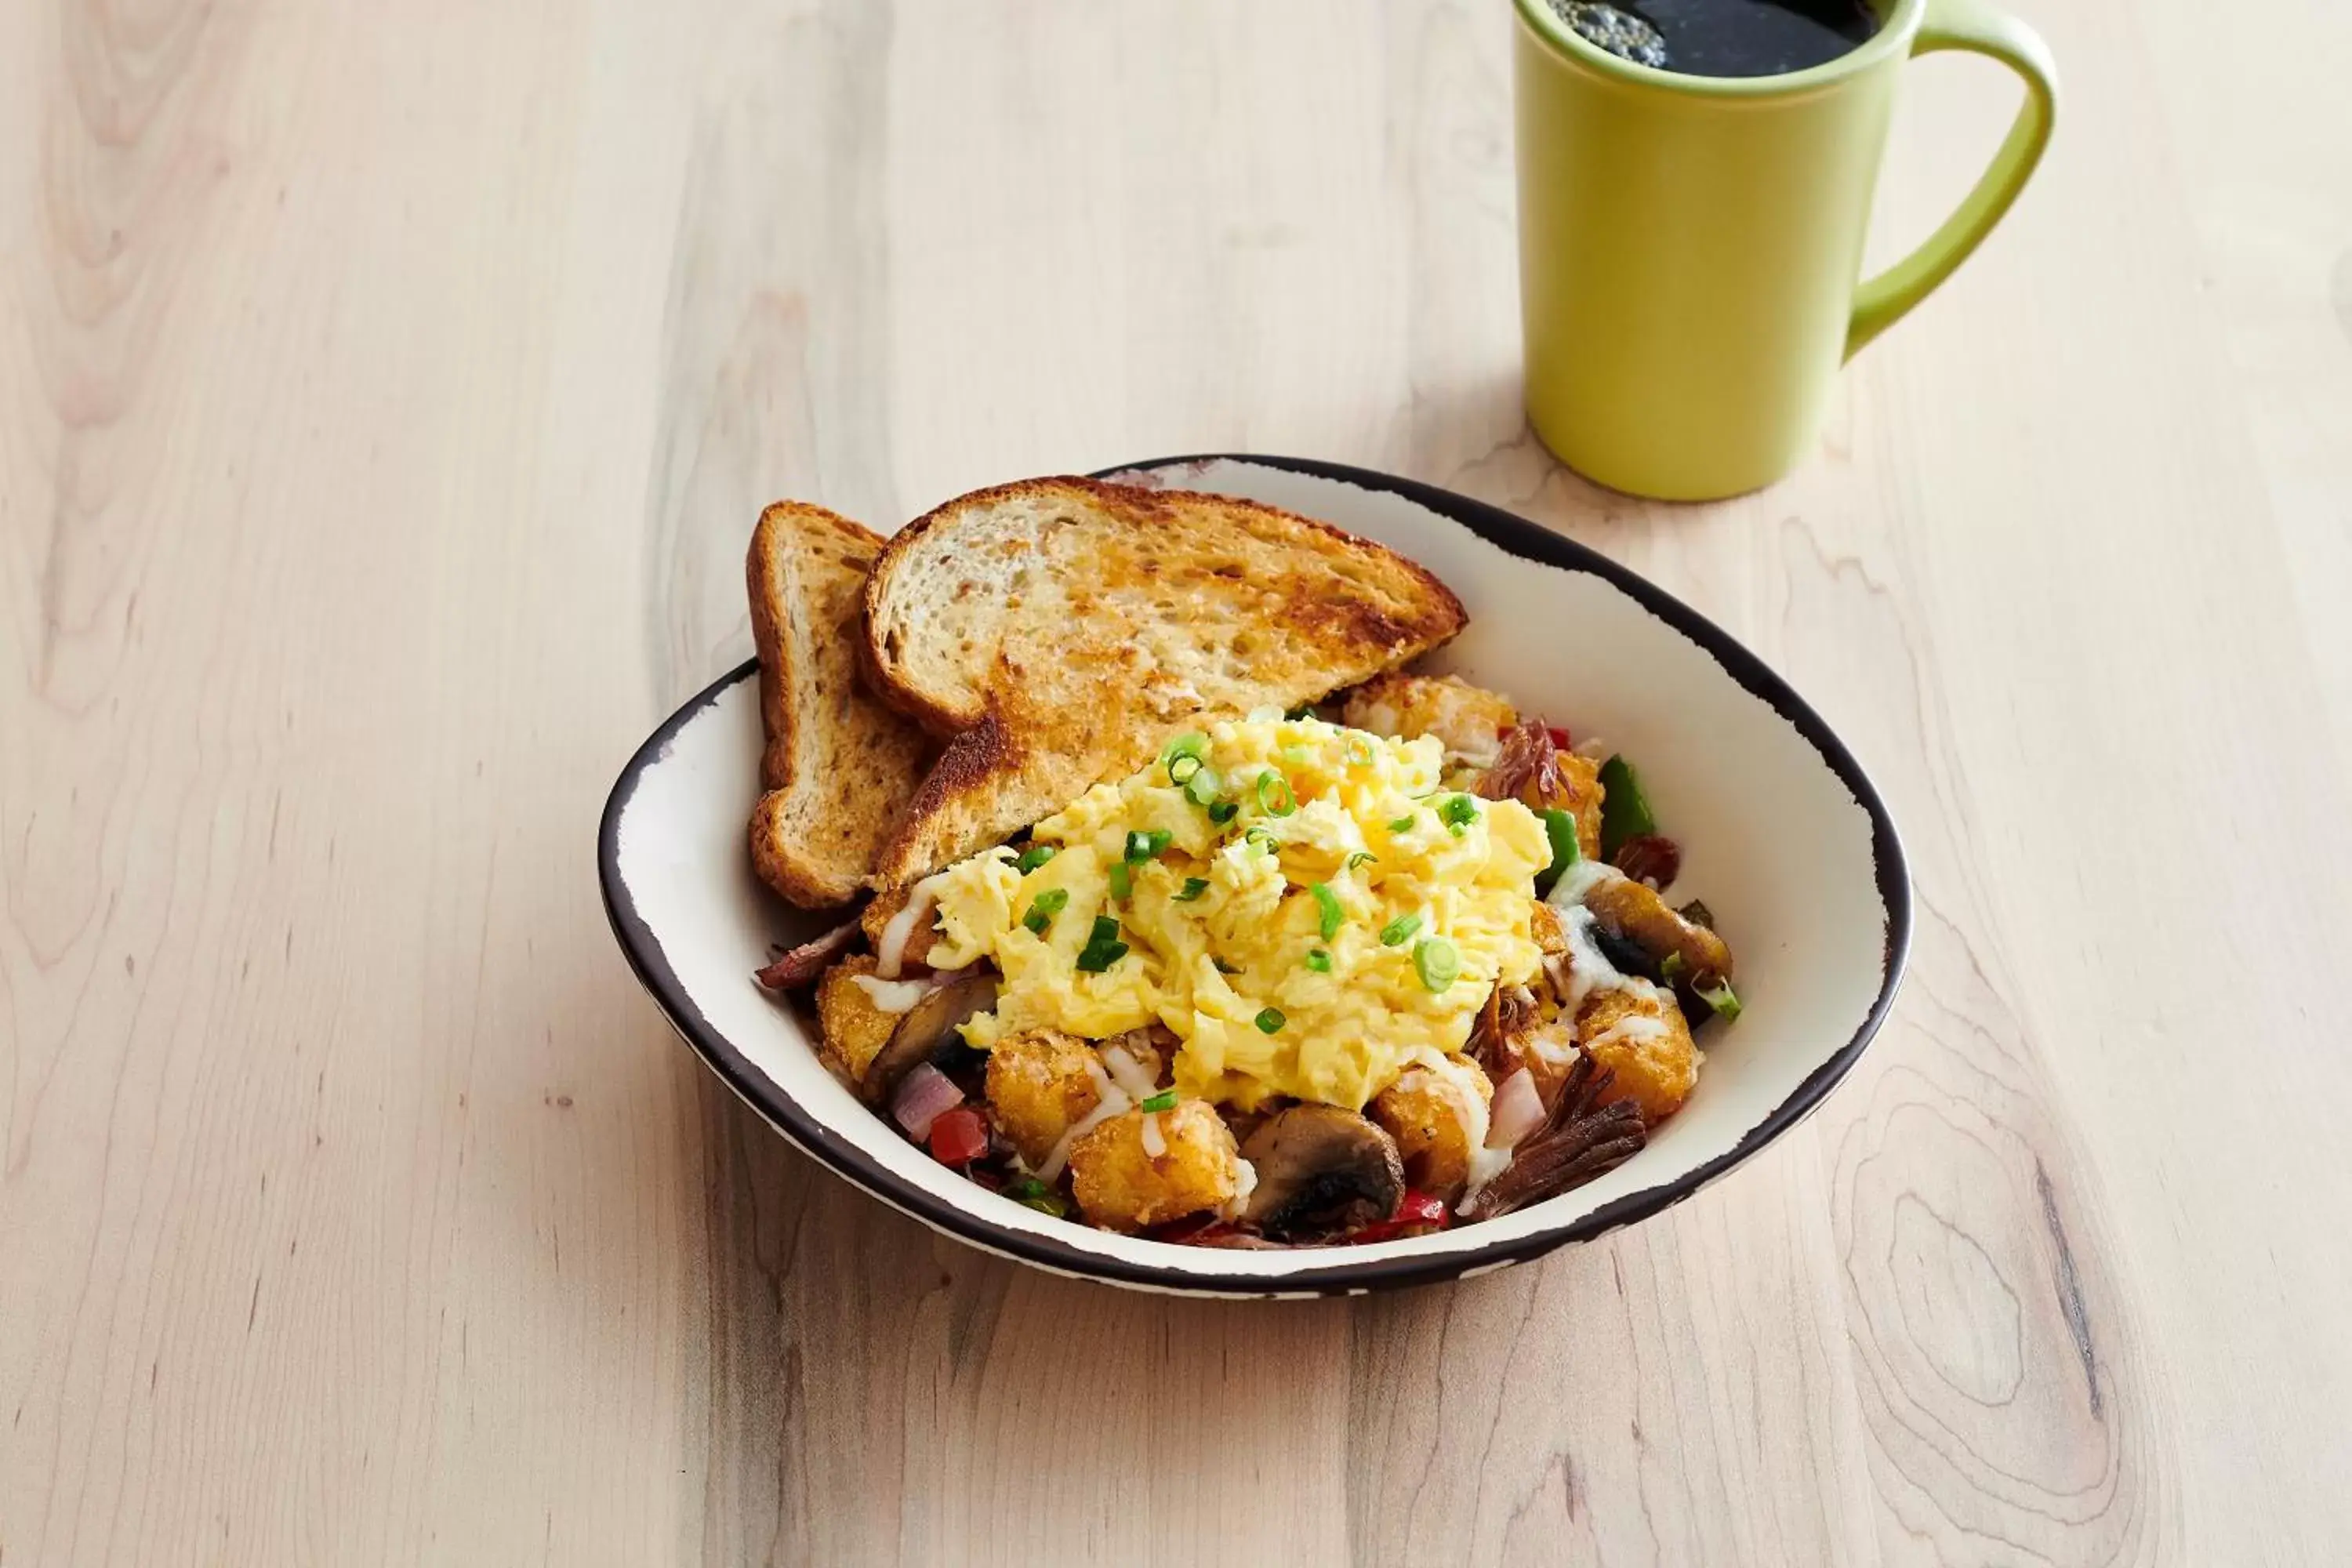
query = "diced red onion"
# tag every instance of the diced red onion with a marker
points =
(1517, 1110)
(924, 1095)
(801, 965)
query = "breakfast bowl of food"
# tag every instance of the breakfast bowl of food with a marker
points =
(1249, 877)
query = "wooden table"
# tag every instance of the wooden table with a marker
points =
(384, 401)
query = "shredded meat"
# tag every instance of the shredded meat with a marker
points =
(1577, 1142)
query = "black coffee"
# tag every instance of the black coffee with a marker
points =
(1723, 38)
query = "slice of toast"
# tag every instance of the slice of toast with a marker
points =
(838, 764)
(1062, 631)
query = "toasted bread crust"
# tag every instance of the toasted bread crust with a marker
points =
(1439, 615)
(1056, 660)
(836, 763)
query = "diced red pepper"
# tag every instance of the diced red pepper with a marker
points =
(1418, 1213)
(1561, 739)
(959, 1136)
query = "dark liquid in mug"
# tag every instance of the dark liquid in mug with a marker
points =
(1723, 38)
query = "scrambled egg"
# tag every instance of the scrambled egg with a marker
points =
(1273, 988)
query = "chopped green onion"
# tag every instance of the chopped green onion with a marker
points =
(1270, 1021)
(1122, 880)
(1193, 888)
(1274, 795)
(1143, 843)
(1625, 809)
(1360, 857)
(1720, 997)
(1103, 947)
(1043, 907)
(1319, 960)
(1436, 962)
(1329, 902)
(1201, 786)
(1401, 824)
(1398, 931)
(1164, 1101)
(1224, 968)
(1190, 745)
(1037, 855)
(1457, 812)
(1031, 1192)
(1561, 828)
(1259, 835)
(1224, 811)
(1182, 768)
(1671, 968)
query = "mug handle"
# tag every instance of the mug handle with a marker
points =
(1977, 27)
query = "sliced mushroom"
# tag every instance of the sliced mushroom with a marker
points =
(1321, 1171)
(927, 1032)
(1632, 909)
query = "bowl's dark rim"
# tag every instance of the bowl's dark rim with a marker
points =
(1511, 534)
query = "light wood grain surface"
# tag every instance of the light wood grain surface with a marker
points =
(385, 395)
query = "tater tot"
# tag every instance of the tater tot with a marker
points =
(854, 1029)
(1423, 1111)
(1640, 1037)
(1122, 1185)
(1466, 718)
(920, 939)
(1040, 1082)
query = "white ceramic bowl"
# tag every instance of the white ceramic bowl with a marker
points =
(1781, 834)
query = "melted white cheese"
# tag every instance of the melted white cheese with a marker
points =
(1155, 1142)
(1114, 1102)
(891, 950)
(892, 995)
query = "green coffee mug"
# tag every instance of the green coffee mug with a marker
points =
(1690, 247)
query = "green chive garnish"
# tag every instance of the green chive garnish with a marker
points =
(1182, 768)
(1360, 857)
(1103, 947)
(1201, 786)
(1224, 811)
(1037, 855)
(1457, 812)
(1401, 824)
(1319, 960)
(1270, 1021)
(1260, 836)
(1274, 796)
(1328, 901)
(1396, 932)
(1143, 843)
(1122, 880)
(1043, 907)
(1720, 997)
(1559, 827)
(1193, 745)
(1193, 888)
(1164, 1101)
(1438, 965)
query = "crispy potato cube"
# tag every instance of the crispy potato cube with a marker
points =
(1466, 718)
(919, 941)
(1423, 1111)
(1040, 1082)
(853, 1029)
(1122, 1185)
(1641, 1037)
